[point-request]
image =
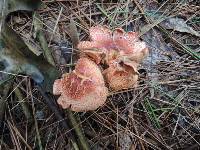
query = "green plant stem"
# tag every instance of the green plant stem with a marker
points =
(23, 104)
(41, 38)
(83, 144)
(59, 116)
(29, 115)
(36, 127)
(5, 90)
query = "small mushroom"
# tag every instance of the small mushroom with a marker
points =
(129, 45)
(83, 89)
(101, 41)
(121, 75)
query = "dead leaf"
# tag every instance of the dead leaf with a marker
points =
(32, 45)
(180, 25)
(8, 6)
(18, 58)
(15, 55)
(159, 50)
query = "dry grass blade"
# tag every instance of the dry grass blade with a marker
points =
(173, 133)
(56, 26)
(14, 131)
(23, 103)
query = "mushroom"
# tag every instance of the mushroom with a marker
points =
(101, 41)
(129, 45)
(114, 43)
(83, 89)
(121, 51)
(121, 75)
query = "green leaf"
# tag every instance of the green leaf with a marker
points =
(151, 113)
(41, 38)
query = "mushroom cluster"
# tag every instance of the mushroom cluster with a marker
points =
(119, 50)
(118, 53)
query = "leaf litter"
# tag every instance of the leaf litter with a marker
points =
(168, 79)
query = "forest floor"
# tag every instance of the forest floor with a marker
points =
(163, 112)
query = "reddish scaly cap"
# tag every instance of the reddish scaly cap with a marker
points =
(83, 89)
(121, 76)
(105, 41)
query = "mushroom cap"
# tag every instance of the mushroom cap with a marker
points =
(130, 45)
(96, 56)
(105, 41)
(57, 87)
(101, 41)
(83, 89)
(121, 76)
(88, 102)
(87, 69)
